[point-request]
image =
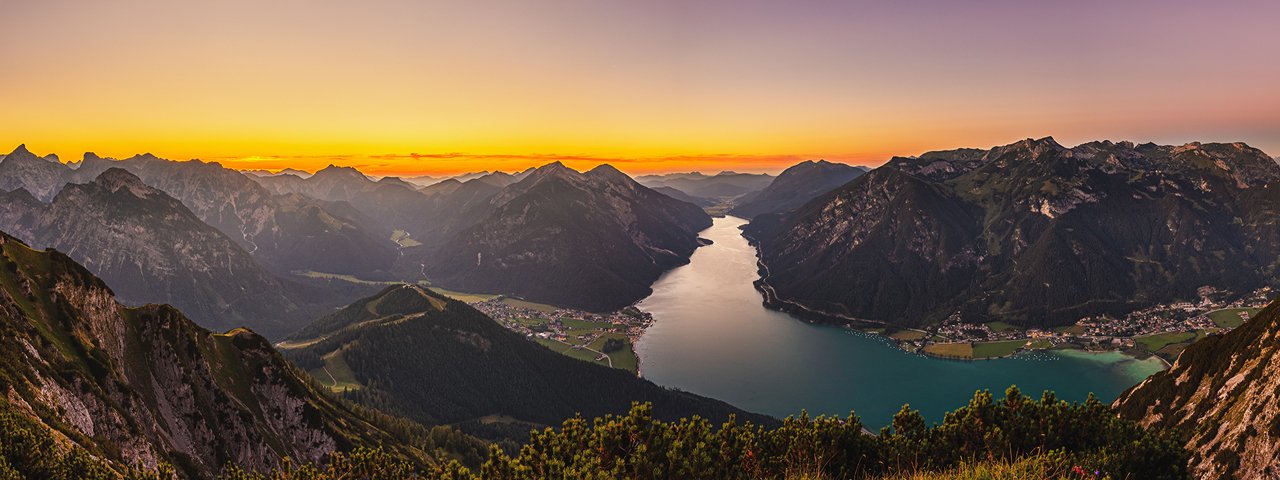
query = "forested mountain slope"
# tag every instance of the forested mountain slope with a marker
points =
(437, 360)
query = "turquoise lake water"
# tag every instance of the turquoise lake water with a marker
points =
(712, 336)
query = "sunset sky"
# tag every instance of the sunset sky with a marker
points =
(419, 87)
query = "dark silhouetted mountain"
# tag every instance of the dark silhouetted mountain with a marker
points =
(1220, 396)
(144, 386)
(284, 233)
(593, 240)
(684, 197)
(795, 187)
(723, 184)
(438, 360)
(1031, 233)
(154, 250)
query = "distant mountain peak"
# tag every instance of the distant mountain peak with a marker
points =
(294, 171)
(553, 170)
(21, 153)
(608, 172)
(116, 178)
(144, 156)
(338, 169)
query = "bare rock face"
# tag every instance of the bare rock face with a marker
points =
(1031, 233)
(145, 385)
(23, 169)
(1220, 395)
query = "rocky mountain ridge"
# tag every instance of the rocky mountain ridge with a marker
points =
(145, 386)
(1031, 233)
(283, 232)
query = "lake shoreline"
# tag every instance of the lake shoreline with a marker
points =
(772, 301)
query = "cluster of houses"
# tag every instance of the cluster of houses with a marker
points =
(515, 318)
(1105, 331)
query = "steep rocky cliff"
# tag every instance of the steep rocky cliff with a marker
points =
(1221, 396)
(145, 386)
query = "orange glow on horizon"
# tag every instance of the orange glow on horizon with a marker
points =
(648, 87)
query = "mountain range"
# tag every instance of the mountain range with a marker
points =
(1031, 233)
(152, 249)
(592, 240)
(723, 184)
(283, 232)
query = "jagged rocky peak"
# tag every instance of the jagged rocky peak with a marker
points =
(20, 152)
(1027, 147)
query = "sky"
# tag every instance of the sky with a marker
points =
(431, 87)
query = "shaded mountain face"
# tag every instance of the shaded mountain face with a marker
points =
(438, 360)
(284, 233)
(1220, 395)
(795, 187)
(1031, 233)
(145, 385)
(154, 250)
(723, 184)
(593, 240)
